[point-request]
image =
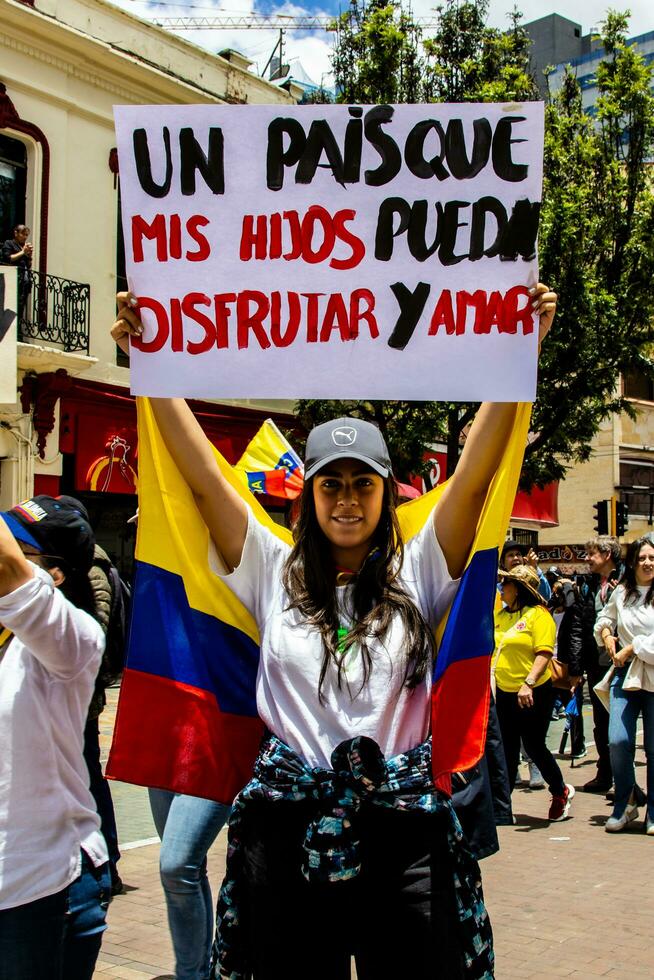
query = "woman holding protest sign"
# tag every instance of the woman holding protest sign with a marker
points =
(341, 835)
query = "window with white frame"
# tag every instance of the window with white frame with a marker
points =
(637, 485)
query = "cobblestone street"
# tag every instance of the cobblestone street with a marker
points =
(566, 900)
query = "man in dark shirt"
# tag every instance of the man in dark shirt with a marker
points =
(17, 252)
(603, 556)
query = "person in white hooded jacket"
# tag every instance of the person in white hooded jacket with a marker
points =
(54, 879)
(630, 613)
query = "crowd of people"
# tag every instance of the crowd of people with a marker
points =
(596, 627)
(340, 823)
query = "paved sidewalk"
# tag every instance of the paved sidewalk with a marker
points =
(566, 899)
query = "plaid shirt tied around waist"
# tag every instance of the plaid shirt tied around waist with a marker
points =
(360, 774)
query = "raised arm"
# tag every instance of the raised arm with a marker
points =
(15, 569)
(57, 634)
(223, 511)
(460, 507)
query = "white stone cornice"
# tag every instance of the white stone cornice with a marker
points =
(35, 357)
(31, 50)
(94, 77)
(134, 60)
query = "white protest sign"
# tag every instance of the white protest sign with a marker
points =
(8, 316)
(333, 251)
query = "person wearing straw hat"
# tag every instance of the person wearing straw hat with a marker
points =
(524, 643)
(516, 553)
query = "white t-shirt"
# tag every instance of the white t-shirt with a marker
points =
(47, 674)
(292, 654)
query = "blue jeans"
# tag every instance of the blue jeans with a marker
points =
(188, 826)
(57, 937)
(625, 706)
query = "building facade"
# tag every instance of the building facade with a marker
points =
(557, 42)
(586, 64)
(554, 40)
(621, 467)
(63, 65)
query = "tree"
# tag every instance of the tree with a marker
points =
(597, 250)
(597, 224)
(376, 57)
(470, 62)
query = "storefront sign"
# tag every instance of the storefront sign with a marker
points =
(554, 553)
(333, 251)
(105, 461)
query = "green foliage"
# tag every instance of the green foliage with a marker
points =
(376, 58)
(597, 222)
(380, 56)
(470, 62)
(597, 251)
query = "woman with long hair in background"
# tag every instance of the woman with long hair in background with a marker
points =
(629, 613)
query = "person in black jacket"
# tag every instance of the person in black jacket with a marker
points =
(594, 591)
(17, 252)
(569, 652)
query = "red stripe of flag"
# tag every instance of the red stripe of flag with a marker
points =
(173, 734)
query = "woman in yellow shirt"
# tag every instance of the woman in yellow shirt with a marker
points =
(524, 641)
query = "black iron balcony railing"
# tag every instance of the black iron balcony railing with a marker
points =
(55, 311)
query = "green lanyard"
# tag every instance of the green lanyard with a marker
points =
(343, 632)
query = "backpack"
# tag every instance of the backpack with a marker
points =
(113, 660)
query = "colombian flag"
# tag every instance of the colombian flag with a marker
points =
(271, 465)
(187, 718)
(466, 639)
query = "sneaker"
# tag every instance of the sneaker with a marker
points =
(615, 824)
(536, 780)
(580, 755)
(560, 805)
(649, 827)
(597, 785)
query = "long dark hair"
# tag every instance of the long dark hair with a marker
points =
(309, 578)
(629, 575)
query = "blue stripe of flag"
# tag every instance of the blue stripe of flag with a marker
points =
(469, 632)
(170, 639)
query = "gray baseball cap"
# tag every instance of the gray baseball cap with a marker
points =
(346, 438)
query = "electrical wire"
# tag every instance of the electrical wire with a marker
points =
(16, 433)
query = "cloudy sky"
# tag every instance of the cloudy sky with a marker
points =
(313, 49)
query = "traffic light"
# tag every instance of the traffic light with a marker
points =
(601, 509)
(621, 518)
